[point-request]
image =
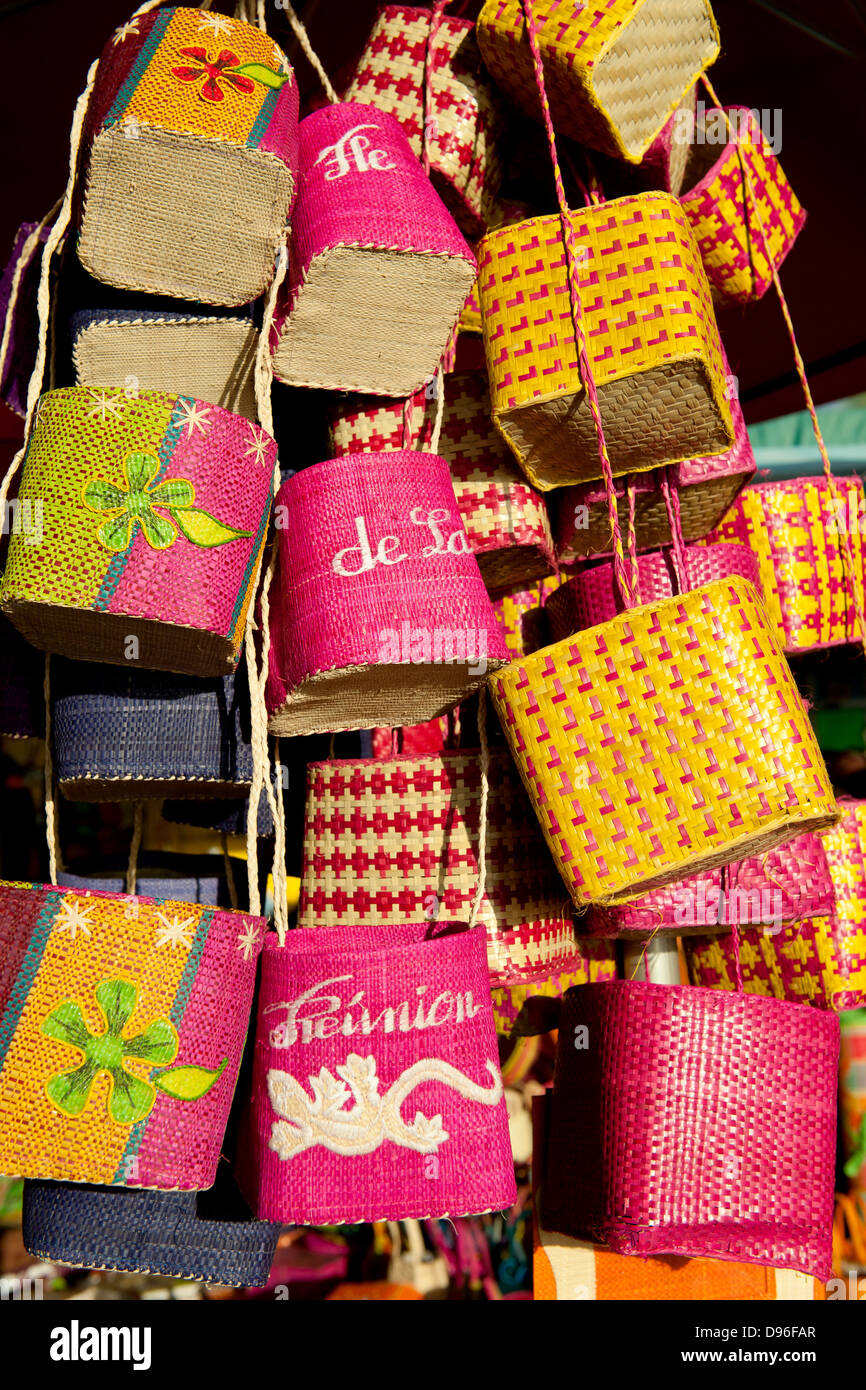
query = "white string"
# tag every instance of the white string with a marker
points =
(134, 847)
(440, 409)
(304, 40)
(24, 258)
(51, 833)
(482, 808)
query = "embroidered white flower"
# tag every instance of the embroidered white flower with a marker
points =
(194, 417)
(248, 940)
(123, 33)
(75, 919)
(259, 445)
(175, 932)
(105, 405)
(216, 23)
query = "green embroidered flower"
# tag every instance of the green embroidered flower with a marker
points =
(134, 506)
(130, 1098)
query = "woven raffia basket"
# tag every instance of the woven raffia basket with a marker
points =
(19, 319)
(145, 1233)
(378, 270)
(735, 238)
(123, 1024)
(406, 1115)
(190, 158)
(615, 69)
(793, 527)
(664, 163)
(127, 735)
(694, 1123)
(164, 877)
(666, 742)
(523, 617)
(706, 488)
(392, 839)
(379, 614)
(211, 358)
(465, 120)
(657, 360)
(505, 519)
(155, 513)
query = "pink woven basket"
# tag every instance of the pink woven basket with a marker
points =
(359, 1030)
(413, 54)
(592, 596)
(367, 215)
(505, 518)
(786, 884)
(689, 1122)
(380, 614)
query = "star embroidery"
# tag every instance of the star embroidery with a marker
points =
(105, 406)
(281, 62)
(248, 941)
(175, 933)
(259, 445)
(124, 32)
(76, 919)
(195, 417)
(217, 23)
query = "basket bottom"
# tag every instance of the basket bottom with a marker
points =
(513, 567)
(85, 635)
(149, 789)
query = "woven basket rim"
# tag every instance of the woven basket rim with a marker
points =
(703, 998)
(122, 898)
(714, 170)
(652, 195)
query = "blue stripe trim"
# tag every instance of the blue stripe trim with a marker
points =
(263, 119)
(145, 53)
(248, 572)
(28, 969)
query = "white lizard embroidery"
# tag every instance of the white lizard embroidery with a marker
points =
(325, 1120)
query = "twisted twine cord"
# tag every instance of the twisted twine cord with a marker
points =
(51, 827)
(135, 847)
(436, 15)
(312, 57)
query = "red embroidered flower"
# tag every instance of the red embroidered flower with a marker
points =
(214, 73)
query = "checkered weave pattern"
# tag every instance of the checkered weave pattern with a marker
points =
(523, 617)
(794, 527)
(614, 69)
(651, 331)
(695, 1123)
(465, 122)
(728, 231)
(668, 741)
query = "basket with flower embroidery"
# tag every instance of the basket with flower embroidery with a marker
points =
(190, 158)
(155, 509)
(122, 1023)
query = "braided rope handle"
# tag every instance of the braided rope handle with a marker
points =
(312, 57)
(436, 16)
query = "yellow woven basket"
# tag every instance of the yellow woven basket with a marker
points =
(615, 69)
(665, 742)
(656, 354)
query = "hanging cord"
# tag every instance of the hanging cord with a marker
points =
(134, 847)
(735, 937)
(229, 872)
(440, 409)
(678, 550)
(436, 16)
(801, 368)
(631, 540)
(577, 318)
(304, 40)
(24, 259)
(51, 828)
(484, 768)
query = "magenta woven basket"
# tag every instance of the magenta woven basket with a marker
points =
(592, 596)
(785, 884)
(376, 1091)
(688, 1122)
(367, 216)
(379, 614)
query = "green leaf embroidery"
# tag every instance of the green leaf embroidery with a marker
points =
(259, 73)
(203, 529)
(188, 1083)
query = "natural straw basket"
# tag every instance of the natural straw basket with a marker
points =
(378, 270)
(664, 163)
(695, 1123)
(373, 1015)
(719, 204)
(505, 519)
(424, 68)
(129, 735)
(615, 69)
(109, 471)
(209, 358)
(379, 613)
(190, 158)
(99, 993)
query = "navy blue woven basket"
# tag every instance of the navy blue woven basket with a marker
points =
(227, 817)
(124, 735)
(192, 880)
(183, 1235)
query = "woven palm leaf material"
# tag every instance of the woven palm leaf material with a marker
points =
(615, 70)
(19, 315)
(592, 595)
(789, 883)
(122, 1023)
(176, 878)
(704, 1124)
(391, 839)
(379, 614)
(378, 270)
(505, 519)
(506, 212)
(654, 347)
(189, 159)
(465, 119)
(666, 742)
(121, 735)
(22, 705)
(664, 163)
(154, 514)
(144, 1232)
(406, 1115)
(794, 527)
(706, 488)
(807, 962)
(733, 238)
(523, 617)
(210, 358)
